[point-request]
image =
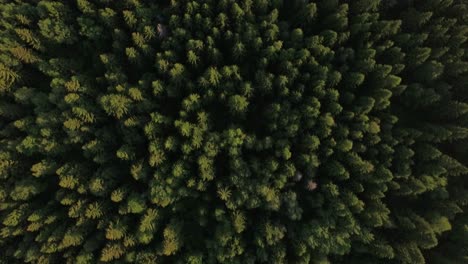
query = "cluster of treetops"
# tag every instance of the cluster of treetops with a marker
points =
(243, 132)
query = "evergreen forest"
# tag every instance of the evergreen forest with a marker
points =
(234, 131)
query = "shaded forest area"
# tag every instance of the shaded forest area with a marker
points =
(223, 131)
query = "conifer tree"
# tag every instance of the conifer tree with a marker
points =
(227, 131)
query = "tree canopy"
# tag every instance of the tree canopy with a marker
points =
(223, 131)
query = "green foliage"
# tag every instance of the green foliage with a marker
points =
(115, 105)
(230, 131)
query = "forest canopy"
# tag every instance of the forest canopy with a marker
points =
(223, 131)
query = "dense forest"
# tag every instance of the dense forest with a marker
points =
(243, 132)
